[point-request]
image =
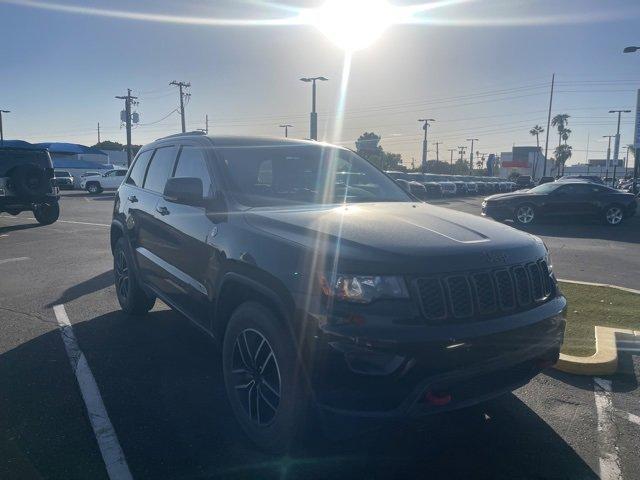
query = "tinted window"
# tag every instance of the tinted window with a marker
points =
(192, 163)
(136, 176)
(121, 173)
(578, 189)
(160, 169)
(271, 176)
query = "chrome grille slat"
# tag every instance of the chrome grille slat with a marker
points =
(484, 294)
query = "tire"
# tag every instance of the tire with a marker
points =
(524, 214)
(46, 213)
(94, 188)
(613, 215)
(30, 181)
(264, 383)
(132, 298)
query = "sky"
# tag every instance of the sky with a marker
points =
(481, 69)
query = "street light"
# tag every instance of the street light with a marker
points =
(636, 163)
(630, 49)
(286, 129)
(314, 116)
(616, 148)
(425, 127)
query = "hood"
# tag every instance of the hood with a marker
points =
(505, 196)
(400, 238)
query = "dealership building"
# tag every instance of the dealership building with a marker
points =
(525, 161)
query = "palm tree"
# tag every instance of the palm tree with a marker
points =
(560, 121)
(566, 132)
(562, 153)
(536, 131)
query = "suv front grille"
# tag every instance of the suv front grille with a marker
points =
(484, 294)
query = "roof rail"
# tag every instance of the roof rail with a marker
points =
(195, 132)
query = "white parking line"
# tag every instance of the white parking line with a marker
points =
(633, 418)
(609, 461)
(112, 455)
(17, 259)
(85, 223)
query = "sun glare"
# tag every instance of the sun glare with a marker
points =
(353, 24)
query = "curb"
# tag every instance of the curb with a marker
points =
(604, 361)
(624, 289)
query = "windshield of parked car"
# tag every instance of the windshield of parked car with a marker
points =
(289, 175)
(62, 174)
(544, 188)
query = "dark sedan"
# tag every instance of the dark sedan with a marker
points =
(561, 199)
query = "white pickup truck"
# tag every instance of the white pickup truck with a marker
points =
(110, 180)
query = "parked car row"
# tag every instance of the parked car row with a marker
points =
(429, 185)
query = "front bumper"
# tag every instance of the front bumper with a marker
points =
(418, 370)
(497, 212)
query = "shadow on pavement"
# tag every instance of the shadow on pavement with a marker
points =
(161, 382)
(94, 284)
(629, 231)
(17, 227)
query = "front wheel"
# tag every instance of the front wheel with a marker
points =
(613, 215)
(263, 378)
(46, 213)
(524, 214)
(132, 298)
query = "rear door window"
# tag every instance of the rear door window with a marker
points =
(160, 169)
(136, 177)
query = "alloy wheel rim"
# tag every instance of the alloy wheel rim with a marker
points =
(122, 275)
(614, 215)
(256, 376)
(525, 214)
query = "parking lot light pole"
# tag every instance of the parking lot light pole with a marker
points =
(471, 153)
(616, 148)
(636, 162)
(608, 153)
(451, 150)
(286, 129)
(425, 127)
(313, 128)
(1, 132)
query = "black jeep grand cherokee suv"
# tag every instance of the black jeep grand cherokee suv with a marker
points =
(329, 289)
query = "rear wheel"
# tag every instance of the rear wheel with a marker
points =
(132, 298)
(46, 213)
(524, 214)
(264, 382)
(94, 188)
(613, 215)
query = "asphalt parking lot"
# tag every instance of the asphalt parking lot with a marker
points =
(161, 385)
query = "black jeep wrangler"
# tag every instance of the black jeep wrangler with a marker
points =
(25, 184)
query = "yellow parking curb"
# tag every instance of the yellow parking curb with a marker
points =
(603, 362)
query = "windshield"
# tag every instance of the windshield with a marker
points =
(62, 174)
(544, 188)
(299, 175)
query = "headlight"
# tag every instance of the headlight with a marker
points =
(363, 288)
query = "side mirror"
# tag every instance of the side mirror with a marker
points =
(185, 190)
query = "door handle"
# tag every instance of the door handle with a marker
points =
(162, 210)
(132, 198)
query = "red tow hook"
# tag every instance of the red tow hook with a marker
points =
(437, 400)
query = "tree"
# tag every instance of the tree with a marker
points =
(368, 147)
(536, 131)
(562, 153)
(560, 121)
(111, 145)
(566, 132)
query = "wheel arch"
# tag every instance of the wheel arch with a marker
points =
(236, 289)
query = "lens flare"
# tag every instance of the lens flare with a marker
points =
(353, 24)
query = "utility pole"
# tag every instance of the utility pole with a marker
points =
(461, 150)
(546, 143)
(437, 151)
(206, 124)
(128, 100)
(451, 150)
(98, 132)
(1, 132)
(616, 148)
(180, 86)
(608, 152)
(286, 129)
(313, 125)
(425, 127)
(471, 152)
